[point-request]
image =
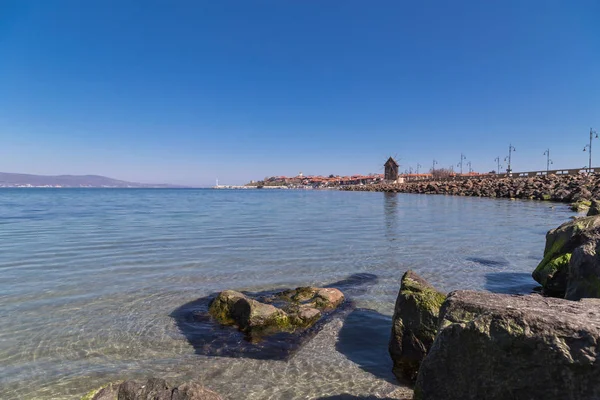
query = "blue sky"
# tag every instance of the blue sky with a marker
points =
(188, 91)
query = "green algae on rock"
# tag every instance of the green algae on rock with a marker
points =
(285, 311)
(414, 325)
(106, 392)
(221, 307)
(234, 308)
(319, 298)
(581, 205)
(552, 271)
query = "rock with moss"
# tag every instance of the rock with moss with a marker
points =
(323, 299)
(221, 308)
(251, 316)
(282, 312)
(497, 347)
(553, 271)
(152, 389)
(581, 205)
(414, 325)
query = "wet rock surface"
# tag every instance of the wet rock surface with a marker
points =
(285, 311)
(210, 337)
(414, 325)
(152, 389)
(496, 346)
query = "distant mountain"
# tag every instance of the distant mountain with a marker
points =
(70, 181)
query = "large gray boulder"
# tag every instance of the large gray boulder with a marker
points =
(414, 325)
(498, 347)
(584, 271)
(151, 389)
(553, 271)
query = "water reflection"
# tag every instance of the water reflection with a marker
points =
(390, 210)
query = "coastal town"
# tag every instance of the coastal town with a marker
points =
(391, 174)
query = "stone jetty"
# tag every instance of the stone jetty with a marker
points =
(560, 188)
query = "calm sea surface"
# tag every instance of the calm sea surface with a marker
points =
(90, 277)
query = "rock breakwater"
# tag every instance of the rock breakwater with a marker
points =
(560, 188)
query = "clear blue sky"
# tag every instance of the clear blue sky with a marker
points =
(188, 91)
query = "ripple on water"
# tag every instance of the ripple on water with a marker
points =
(91, 277)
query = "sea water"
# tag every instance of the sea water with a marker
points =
(90, 278)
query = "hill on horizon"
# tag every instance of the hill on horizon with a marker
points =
(8, 179)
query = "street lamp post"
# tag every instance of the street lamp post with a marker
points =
(460, 164)
(470, 169)
(511, 148)
(418, 166)
(548, 160)
(497, 159)
(433, 168)
(589, 147)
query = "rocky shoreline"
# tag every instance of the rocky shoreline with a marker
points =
(559, 188)
(463, 345)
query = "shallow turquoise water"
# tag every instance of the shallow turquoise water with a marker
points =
(89, 278)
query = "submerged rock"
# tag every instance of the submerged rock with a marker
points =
(152, 389)
(497, 347)
(285, 311)
(553, 271)
(414, 325)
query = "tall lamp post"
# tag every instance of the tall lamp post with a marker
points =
(460, 164)
(433, 168)
(418, 166)
(470, 169)
(589, 147)
(497, 159)
(548, 160)
(511, 148)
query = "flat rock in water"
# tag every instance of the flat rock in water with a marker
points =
(286, 311)
(234, 336)
(496, 347)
